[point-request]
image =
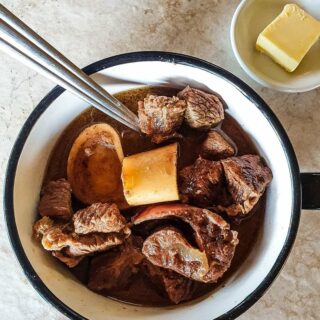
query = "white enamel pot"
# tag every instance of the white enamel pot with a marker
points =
(39, 134)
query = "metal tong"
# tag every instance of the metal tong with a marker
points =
(21, 42)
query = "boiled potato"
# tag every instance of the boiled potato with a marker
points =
(151, 176)
(94, 165)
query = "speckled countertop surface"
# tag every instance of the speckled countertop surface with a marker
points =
(87, 31)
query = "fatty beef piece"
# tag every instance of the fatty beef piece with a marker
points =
(167, 248)
(94, 229)
(168, 244)
(233, 185)
(114, 269)
(160, 116)
(204, 110)
(216, 146)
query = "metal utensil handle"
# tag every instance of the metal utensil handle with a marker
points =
(12, 51)
(32, 36)
(38, 50)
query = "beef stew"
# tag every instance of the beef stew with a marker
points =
(96, 252)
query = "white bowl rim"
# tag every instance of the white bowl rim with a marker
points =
(176, 58)
(245, 67)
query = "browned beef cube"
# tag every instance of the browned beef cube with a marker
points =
(247, 178)
(160, 116)
(233, 185)
(202, 182)
(204, 110)
(55, 200)
(99, 217)
(216, 147)
(176, 287)
(113, 270)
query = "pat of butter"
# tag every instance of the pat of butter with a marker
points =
(289, 37)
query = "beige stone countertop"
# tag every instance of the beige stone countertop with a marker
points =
(89, 30)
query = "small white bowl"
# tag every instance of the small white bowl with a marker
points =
(250, 18)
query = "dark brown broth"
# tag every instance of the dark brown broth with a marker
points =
(140, 291)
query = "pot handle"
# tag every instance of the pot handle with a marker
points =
(310, 183)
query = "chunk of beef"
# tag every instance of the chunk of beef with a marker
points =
(61, 236)
(45, 224)
(204, 110)
(113, 270)
(202, 182)
(55, 200)
(216, 147)
(167, 248)
(160, 116)
(232, 185)
(211, 232)
(176, 287)
(41, 226)
(70, 261)
(247, 178)
(68, 245)
(99, 217)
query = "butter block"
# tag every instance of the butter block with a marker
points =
(289, 37)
